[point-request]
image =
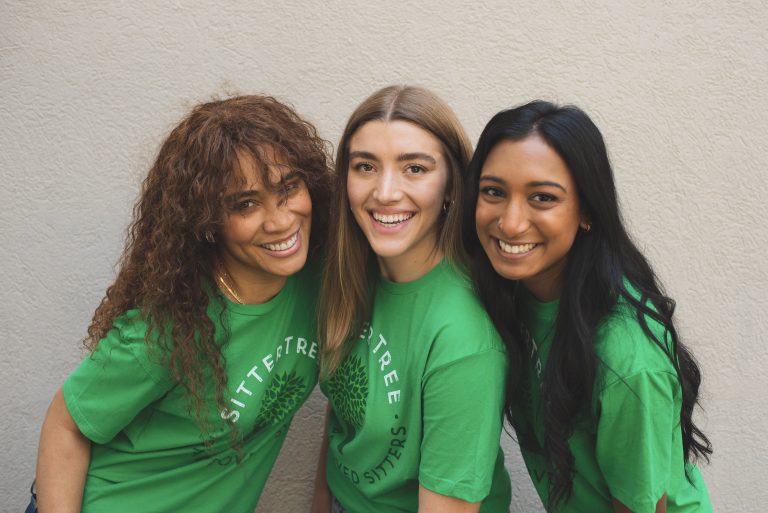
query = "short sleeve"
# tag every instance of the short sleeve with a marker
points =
(118, 380)
(635, 432)
(463, 402)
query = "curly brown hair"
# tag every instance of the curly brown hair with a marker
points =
(167, 264)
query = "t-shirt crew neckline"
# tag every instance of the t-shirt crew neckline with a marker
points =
(544, 312)
(393, 287)
(256, 310)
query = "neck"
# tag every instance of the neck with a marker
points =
(246, 286)
(402, 269)
(548, 286)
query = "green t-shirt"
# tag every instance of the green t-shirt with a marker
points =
(630, 445)
(148, 453)
(419, 401)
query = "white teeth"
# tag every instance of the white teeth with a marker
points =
(393, 218)
(515, 249)
(282, 246)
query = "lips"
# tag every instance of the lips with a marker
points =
(515, 249)
(283, 245)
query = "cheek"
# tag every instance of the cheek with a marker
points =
(304, 204)
(562, 228)
(237, 229)
(355, 193)
(484, 217)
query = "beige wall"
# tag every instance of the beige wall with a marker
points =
(678, 89)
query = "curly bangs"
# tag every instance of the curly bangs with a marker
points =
(209, 142)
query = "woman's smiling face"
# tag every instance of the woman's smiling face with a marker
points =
(265, 232)
(528, 214)
(396, 184)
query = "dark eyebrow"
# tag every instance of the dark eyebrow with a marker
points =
(362, 155)
(400, 158)
(546, 183)
(542, 183)
(238, 195)
(492, 178)
(417, 156)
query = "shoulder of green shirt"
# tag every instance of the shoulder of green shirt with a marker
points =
(624, 348)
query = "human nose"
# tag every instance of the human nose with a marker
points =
(279, 216)
(513, 220)
(387, 187)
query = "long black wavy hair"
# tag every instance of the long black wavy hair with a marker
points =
(597, 266)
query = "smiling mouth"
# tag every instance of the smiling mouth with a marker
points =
(515, 249)
(283, 245)
(392, 219)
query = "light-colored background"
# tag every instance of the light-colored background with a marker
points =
(88, 90)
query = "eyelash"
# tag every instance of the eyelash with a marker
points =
(241, 206)
(363, 167)
(543, 197)
(292, 187)
(493, 192)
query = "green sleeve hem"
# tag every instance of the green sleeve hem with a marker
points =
(634, 503)
(86, 428)
(471, 494)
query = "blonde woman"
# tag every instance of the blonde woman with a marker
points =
(411, 364)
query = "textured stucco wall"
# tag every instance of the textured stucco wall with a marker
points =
(89, 89)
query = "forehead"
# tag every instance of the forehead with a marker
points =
(394, 137)
(252, 170)
(526, 160)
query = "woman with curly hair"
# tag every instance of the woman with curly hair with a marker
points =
(412, 366)
(204, 346)
(601, 390)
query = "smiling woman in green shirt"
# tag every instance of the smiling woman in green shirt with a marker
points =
(412, 366)
(601, 390)
(204, 346)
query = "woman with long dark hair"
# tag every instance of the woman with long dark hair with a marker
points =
(601, 389)
(204, 346)
(412, 366)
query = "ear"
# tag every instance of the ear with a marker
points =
(585, 222)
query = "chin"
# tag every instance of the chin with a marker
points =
(505, 272)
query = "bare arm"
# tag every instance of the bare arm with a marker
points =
(431, 502)
(62, 461)
(321, 500)
(661, 506)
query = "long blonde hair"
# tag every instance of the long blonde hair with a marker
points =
(350, 269)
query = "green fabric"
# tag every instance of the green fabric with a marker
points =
(630, 446)
(419, 401)
(148, 453)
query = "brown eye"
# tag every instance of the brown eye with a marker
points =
(543, 198)
(363, 167)
(491, 191)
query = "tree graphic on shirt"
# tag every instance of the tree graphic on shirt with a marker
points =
(349, 392)
(280, 399)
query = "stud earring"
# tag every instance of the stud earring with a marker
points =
(586, 226)
(209, 236)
